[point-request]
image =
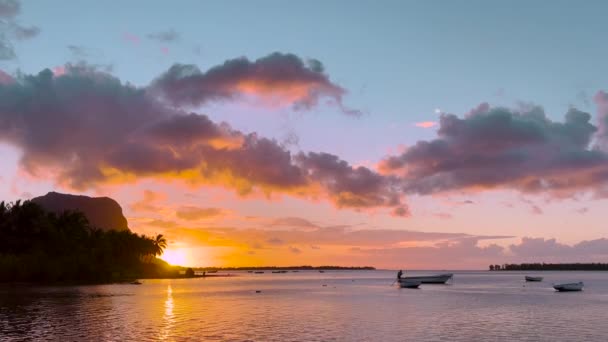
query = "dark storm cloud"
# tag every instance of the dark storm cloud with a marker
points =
(277, 79)
(502, 148)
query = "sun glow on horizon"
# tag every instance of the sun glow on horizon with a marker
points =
(176, 257)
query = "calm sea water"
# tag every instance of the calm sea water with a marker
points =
(312, 306)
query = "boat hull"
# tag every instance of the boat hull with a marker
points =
(436, 279)
(529, 278)
(569, 287)
(409, 284)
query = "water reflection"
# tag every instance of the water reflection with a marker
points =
(168, 319)
(297, 307)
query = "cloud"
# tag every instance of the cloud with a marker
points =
(195, 213)
(168, 36)
(275, 241)
(11, 29)
(83, 127)
(348, 186)
(549, 250)
(295, 250)
(426, 124)
(7, 51)
(277, 79)
(82, 52)
(24, 33)
(601, 101)
(296, 222)
(9, 8)
(131, 38)
(493, 148)
(318, 237)
(443, 216)
(6, 78)
(149, 202)
(457, 254)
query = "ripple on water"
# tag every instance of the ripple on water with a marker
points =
(296, 307)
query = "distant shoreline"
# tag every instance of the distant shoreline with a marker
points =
(286, 268)
(550, 267)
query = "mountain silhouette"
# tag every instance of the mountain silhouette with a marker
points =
(102, 212)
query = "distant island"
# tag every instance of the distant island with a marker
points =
(286, 268)
(550, 267)
(46, 241)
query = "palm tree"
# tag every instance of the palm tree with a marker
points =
(160, 243)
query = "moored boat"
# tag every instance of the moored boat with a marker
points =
(433, 279)
(531, 278)
(565, 287)
(410, 284)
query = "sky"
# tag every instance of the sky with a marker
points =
(399, 134)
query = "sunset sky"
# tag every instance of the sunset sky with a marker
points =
(416, 135)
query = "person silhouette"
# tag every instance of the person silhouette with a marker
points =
(399, 274)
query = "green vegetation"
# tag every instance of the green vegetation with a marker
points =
(551, 267)
(38, 246)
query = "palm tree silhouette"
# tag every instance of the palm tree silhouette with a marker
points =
(160, 243)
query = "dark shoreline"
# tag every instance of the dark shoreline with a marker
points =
(550, 267)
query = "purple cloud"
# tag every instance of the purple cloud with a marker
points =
(501, 148)
(277, 79)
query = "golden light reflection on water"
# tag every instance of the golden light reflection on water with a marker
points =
(168, 318)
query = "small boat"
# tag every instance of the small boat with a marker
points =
(434, 279)
(135, 282)
(569, 286)
(410, 284)
(321, 271)
(531, 278)
(258, 272)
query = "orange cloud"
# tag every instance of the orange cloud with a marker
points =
(426, 124)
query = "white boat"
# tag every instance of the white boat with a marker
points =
(531, 278)
(433, 279)
(569, 286)
(409, 284)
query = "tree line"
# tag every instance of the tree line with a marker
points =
(40, 246)
(550, 267)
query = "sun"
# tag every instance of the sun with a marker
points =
(176, 257)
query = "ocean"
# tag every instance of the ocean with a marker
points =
(312, 306)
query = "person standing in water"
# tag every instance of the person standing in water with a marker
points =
(399, 274)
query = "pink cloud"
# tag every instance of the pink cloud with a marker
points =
(426, 124)
(131, 38)
(58, 70)
(6, 78)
